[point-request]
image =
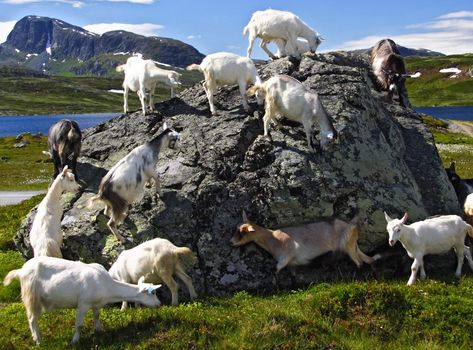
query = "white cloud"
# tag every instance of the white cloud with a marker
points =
(146, 29)
(194, 36)
(451, 33)
(5, 29)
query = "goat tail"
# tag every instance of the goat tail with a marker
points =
(254, 89)
(12, 275)
(90, 202)
(120, 68)
(188, 255)
(469, 230)
(367, 259)
(245, 30)
(194, 67)
(73, 136)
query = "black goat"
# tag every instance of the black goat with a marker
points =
(462, 187)
(64, 143)
(389, 67)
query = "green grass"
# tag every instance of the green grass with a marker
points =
(352, 315)
(15, 176)
(10, 220)
(437, 89)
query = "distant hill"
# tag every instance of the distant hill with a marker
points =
(55, 47)
(407, 52)
(441, 89)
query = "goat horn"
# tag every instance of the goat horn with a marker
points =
(243, 214)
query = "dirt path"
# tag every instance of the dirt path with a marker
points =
(14, 197)
(461, 127)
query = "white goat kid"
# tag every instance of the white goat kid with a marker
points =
(157, 260)
(302, 46)
(224, 68)
(45, 235)
(271, 25)
(141, 76)
(124, 183)
(288, 97)
(436, 235)
(50, 283)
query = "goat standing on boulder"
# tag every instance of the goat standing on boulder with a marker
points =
(283, 27)
(45, 234)
(124, 183)
(224, 68)
(141, 76)
(64, 143)
(288, 97)
(390, 70)
(157, 260)
(299, 244)
(51, 283)
(436, 235)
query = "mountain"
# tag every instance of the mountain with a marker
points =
(51, 45)
(407, 52)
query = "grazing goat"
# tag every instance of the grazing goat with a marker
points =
(288, 97)
(224, 68)
(124, 182)
(64, 143)
(284, 26)
(157, 260)
(436, 235)
(141, 76)
(390, 70)
(462, 187)
(45, 234)
(299, 244)
(50, 283)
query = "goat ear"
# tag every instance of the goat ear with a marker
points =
(141, 280)
(386, 216)
(251, 228)
(404, 218)
(64, 170)
(165, 126)
(243, 215)
(452, 166)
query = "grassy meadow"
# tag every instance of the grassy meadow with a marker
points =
(437, 89)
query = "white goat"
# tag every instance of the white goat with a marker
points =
(468, 207)
(50, 283)
(302, 46)
(287, 96)
(157, 260)
(45, 234)
(141, 76)
(271, 25)
(299, 244)
(124, 183)
(224, 68)
(436, 235)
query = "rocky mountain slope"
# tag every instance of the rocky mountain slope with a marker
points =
(385, 159)
(407, 52)
(52, 45)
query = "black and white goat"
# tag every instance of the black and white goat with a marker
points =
(390, 70)
(462, 187)
(64, 143)
(124, 183)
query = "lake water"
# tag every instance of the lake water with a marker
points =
(455, 113)
(14, 125)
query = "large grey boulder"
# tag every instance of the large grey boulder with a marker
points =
(384, 159)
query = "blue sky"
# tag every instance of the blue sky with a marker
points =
(211, 25)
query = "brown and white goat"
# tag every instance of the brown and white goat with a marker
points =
(64, 143)
(298, 245)
(390, 70)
